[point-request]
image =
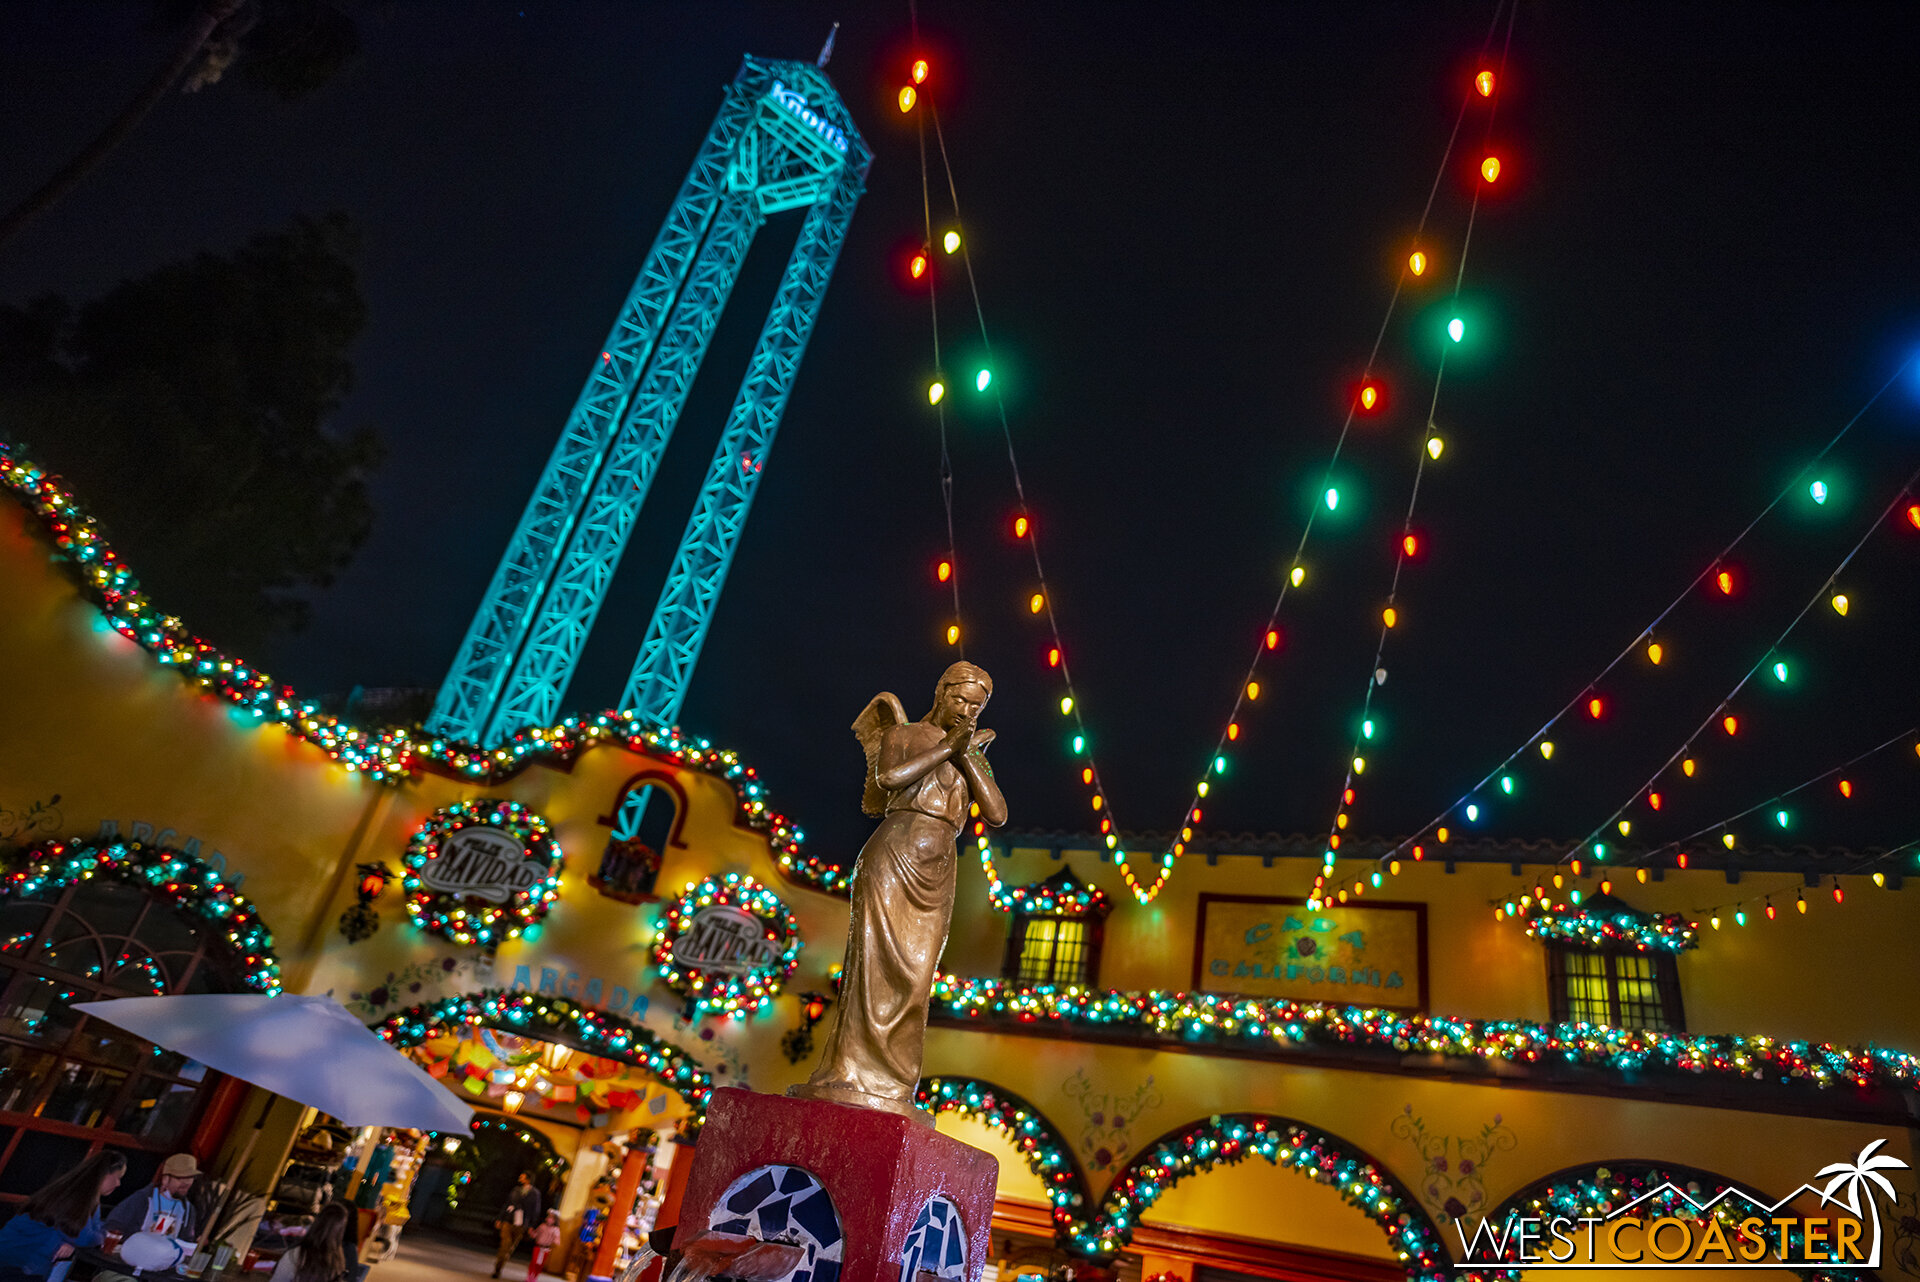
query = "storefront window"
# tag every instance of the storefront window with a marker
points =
(1619, 989)
(69, 1084)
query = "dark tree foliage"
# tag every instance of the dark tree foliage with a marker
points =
(292, 47)
(189, 408)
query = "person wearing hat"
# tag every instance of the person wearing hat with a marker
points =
(164, 1202)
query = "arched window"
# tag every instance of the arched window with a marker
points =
(645, 821)
(70, 1085)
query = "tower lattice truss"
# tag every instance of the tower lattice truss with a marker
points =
(783, 140)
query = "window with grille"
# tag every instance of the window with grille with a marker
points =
(71, 1085)
(1053, 950)
(1620, 989)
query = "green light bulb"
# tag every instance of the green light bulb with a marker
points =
(1333, 498)
(1456, 329)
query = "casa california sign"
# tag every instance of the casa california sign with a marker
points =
(481, 871)
(727, 945)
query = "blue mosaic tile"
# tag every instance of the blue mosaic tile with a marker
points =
(936, 1244)
(786, 1204)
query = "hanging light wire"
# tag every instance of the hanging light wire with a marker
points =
(1706, 571)
(1145, 891)
(1421, 457)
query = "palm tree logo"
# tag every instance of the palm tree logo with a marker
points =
(1862, 1175)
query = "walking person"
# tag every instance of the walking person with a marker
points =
(545, 1238)
(324, 1255)
(59, 1217)
(517, 1215)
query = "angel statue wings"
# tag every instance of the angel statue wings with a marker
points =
(923, 778)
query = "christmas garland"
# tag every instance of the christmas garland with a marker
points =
(715, 993)
(556, 1019)
(1273, 1028)
(185, 882)
(1623, 927)
(1047, 1153)
(461, 918)
(1235, 1137)
(391, 755)
(1039, 899)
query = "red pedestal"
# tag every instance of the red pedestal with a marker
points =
(873, 1196)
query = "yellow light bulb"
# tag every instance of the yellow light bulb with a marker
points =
(1434, 446)
(935, 391)
(1417, 264)
(953, 634)
(1840, 604)
(907, 97)
(951, 241)
(1390, 616)
(1654, 653)
(1299, 575)
(1546, 749)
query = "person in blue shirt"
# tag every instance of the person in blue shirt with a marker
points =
(61, 1216)
(166, 1199)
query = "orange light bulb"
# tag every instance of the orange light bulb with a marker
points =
(1595, 707)
(1724, 581)
(1731, 724)
(1020, 527)
(1417, 264)
(1233, 731)
(919, 71)
(1273, 639)
(1490, 169)
(1484, 83)
(945, 571)
(1410, 545)
(1369, 396)
(1053, 656)
(918, 266)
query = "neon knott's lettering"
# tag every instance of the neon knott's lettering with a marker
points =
(800, 107)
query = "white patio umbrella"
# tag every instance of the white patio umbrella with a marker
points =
(309, 1049)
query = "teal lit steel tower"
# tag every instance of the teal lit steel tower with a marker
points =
(783, 140)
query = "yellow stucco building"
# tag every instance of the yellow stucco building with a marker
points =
(1219, 1082)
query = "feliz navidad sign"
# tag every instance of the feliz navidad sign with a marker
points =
(481, 871)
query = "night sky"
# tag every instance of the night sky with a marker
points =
(1702, 258)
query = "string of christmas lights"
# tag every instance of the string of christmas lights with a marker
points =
(1367, 399)
(1409, 544)
(1729, 721)
(1776, 803)
(1718, 571)
(185, 882)
(391, 756)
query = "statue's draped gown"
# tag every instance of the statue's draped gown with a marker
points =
(902, 901)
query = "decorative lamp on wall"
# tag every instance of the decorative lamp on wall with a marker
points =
(360, 921)
(798, 1043)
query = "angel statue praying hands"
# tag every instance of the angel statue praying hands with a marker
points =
(923, 777)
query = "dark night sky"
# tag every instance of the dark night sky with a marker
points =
(1186, 221)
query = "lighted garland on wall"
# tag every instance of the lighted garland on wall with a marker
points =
(185, 882)
(1270, 1027)
(1597, 925)
(1041, 899)
(463, 918)
(1045, 1149)
(555, 1019)
(715, 992)
(392, 755)
(1232, 1138)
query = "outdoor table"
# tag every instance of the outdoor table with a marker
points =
(95, 1261)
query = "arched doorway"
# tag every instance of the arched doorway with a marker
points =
(472, 1177)
(71, 1085)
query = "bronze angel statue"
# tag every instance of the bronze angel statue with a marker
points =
(923, 778)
